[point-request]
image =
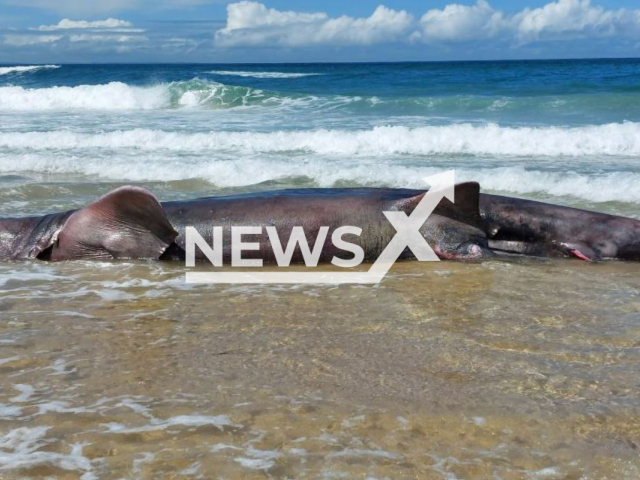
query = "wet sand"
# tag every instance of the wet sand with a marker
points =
(503, 369)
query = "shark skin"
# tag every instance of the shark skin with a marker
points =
(541, 229)
(130, 223)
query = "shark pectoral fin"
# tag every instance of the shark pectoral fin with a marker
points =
(128, 222)
(581, 256)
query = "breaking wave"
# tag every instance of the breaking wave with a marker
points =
(25, 68)
(120, 96)
(262, 74)
(616, 139)
(323, 172)
(206, 94)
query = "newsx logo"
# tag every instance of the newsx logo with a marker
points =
(407, 235)
(283, 256)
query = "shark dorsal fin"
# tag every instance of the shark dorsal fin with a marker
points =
(466, 208)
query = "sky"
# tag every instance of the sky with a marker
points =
(113, 31)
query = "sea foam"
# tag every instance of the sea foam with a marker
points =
(25, 68)
(22, 448)
(121, 96)
(523, 160)
(204, 93)
(261, 74)
(618, 139)
(324, 172)
(111, 96)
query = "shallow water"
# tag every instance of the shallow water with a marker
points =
(510, 369)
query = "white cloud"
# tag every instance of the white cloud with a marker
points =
(575, 17)
(574, 25)
(251, 23)
(561, 19)
(97, 38)
(66, 24)
(180, 43)
(461, 22)
(69, 32)
(19, 40)
(254, 15)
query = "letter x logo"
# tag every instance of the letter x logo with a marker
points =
(408, 226)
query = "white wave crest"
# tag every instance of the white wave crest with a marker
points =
(619, 139)
(111, 96)
(238, 171)
(120, 96)
(25, 68)
(262, 74)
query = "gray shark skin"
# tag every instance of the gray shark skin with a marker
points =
(130, 223)
(126, 223)
(28, 237)
(540, 229)
(453, 230)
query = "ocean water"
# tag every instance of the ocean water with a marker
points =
(566, 131)
(513, 369)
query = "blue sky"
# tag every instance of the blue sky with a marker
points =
(55, 31)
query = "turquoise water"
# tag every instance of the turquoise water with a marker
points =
(563, 131)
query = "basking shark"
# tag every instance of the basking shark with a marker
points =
(130, 223)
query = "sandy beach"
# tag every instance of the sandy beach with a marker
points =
(516, 369)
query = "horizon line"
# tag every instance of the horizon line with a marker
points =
(373, 62)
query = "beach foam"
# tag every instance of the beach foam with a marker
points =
(21, 448)
(602, 187)
(618, 139)
(218, 421)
